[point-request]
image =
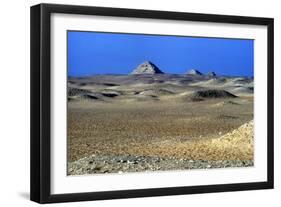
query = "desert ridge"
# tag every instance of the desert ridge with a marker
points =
(148, 82)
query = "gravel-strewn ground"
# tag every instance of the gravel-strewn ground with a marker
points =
(241, 139)
(120, 164)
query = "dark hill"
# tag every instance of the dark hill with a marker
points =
(213, 94)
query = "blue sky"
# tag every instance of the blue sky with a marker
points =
(91, 53)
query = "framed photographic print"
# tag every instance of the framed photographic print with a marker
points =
(133, 103)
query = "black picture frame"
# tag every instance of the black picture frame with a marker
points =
(41, 95)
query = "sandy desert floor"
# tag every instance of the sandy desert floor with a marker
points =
(158, 123)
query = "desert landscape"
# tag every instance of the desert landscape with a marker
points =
(150, 120)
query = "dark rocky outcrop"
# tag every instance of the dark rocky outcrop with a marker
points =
(213, 93)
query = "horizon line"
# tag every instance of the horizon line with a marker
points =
(182, 74)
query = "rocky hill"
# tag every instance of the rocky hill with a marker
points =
(212, 74)
(193, 72)
(147, 68)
